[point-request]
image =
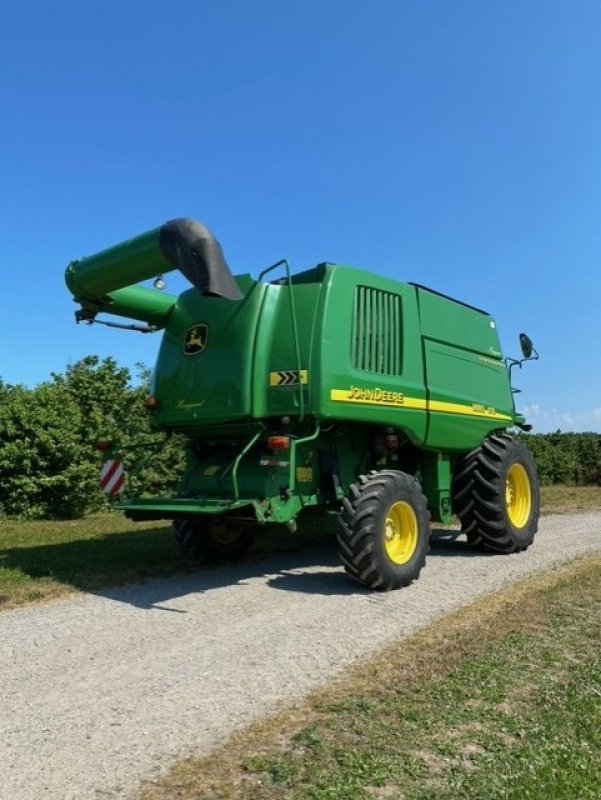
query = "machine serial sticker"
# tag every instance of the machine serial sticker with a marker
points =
(273, 462)
(473, 410)
(196, 339)
(304, 474)
(288, 377)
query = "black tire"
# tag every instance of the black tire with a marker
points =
(463, 499)
(385, 530)
(212, 539)
(496, 495)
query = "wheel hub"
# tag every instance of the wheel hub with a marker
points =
(223, 533)
(518, 496)
(400, 533)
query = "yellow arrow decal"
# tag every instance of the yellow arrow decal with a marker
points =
(288, 377)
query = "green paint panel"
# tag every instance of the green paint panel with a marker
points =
(457, 324)
(124, 264)
(212, 384)
(369, 366)
(140, 303)
(475, 383)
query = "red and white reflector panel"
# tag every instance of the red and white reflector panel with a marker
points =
(112, 477)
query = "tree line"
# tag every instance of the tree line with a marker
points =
(49, 462)
(567, 458)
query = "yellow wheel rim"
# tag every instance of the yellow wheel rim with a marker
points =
(400, 533)
(224, 534)
(518, 496)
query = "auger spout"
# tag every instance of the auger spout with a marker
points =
(106, 281)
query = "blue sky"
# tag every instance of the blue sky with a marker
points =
(455, 143)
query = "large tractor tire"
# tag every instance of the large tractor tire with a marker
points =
(211, 540)
(496, 495)
(385, 530)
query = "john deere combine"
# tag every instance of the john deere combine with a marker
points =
(334, 388)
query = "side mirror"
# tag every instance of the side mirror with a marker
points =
(526, 345)
(528, 354)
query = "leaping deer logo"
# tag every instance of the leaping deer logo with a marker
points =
(196, 339)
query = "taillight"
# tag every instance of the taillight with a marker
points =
(278, 442)
(151, 403)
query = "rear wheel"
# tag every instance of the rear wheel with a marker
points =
(385, 530)
(211, 539)
(497, 496)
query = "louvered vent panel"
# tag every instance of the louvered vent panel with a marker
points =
(376, 332)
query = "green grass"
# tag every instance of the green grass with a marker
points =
(500, 700)
(42, 560)
(570, 499)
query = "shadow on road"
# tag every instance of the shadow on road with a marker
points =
(210, 578)
(144, 569)
(328, 582)
(314, 570)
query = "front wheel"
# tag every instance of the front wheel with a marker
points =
(385, 530)
(497, 496)
(211, 539)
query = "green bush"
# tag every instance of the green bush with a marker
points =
(44, 469)
(567, 458)
(49, 464)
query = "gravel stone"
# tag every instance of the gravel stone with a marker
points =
(100, 692)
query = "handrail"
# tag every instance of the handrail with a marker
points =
(237, 462)
(284, 262)
(295, 443)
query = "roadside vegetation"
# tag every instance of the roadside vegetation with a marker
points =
(499, 700)
(40, 560)
(570, 499)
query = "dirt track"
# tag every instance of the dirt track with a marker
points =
(100, 692)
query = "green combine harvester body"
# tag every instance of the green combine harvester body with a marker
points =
(333, 388)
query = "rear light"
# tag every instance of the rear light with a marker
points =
(103, 446)
(151, 402)
(278, 442)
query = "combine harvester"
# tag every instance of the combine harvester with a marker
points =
(387, 403)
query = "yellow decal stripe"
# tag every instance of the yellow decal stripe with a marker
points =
(470, 411)
(376, 397)
(383, 397)
(492, 362)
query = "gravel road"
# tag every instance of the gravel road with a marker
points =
(102, 691)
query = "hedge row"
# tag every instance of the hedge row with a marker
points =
(49, 465)
(567, 458)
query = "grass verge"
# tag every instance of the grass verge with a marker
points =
(570, 499)
(43, 560)
(499, 700)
